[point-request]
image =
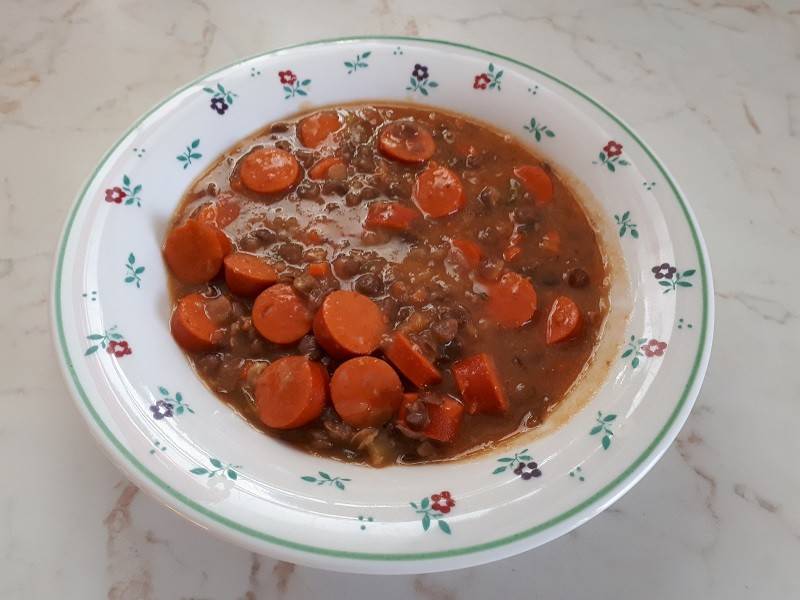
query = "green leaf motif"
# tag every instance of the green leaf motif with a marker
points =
(305, 82)
(195, 143)
(538, 136)
(215, 462)
(602, 157)
(635, 362)
(425, 503)
(550, 134)
(627, 353)
(634, 233)
(94, 336)
(684, 284)
(665, 283)
(611, 166)
(324, 475)
(609, 418)
(126, 180)
(491, 68)
(309, 478)
(505, 459)
(606, 442)
(195, 155)
(139, 270)
(689, 273)
(233, 475)
(115, 336)
(339, 484)
(348, 64)
(444, 527)
(596, 429)
(208, 89)
(130, 279)
(426, 522)
(179, 411)
(366, 54)
(498, 470)
(91, 350)
(199, 471)
(433, 84)
(424, 91)
(182, 158)
(131, 259)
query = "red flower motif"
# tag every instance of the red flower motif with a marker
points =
(612, 149)
(118, 349)
(287, 77)
(481, 81)
(654, 348)
(115, 195)
(442, 502)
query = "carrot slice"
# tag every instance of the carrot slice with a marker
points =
(564, 321)
(391, 215)
(280, 316)
(225, 243)
(348, 323)
(315, 129)
(444, 418)
(193, 252)
(511, 252)
(291, 392)
(479, 385)
(322, 168)
(366, 391)
(406, 356)
(248, 275)
(551, 241)
(269, 170)
(220, 213)
(438, 191)
(537, 182)
(191, 327)
(470, 251)
(406, 141)
(512, 300)
(319, 269)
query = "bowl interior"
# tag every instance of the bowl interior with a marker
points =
(111, 314)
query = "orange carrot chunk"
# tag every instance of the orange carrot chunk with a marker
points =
(470, 251)
(193, 252)
(391, 215)
(438, 191)
(512, 301)
(280, 316)
(348, 323)
(406, 141)
(319, 269)
(269, 170)
(191, 327)
(330, 165)
(248, 275)
(479, 385)
(564, 321)
(291, 392)
(551, 241)
(220, 213)
(315, 129)
(406, 356)
(366, 391)
(444, 419)
(537, 183)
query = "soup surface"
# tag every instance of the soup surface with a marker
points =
(385, 283)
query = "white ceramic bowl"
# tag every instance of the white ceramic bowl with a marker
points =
(173, 438)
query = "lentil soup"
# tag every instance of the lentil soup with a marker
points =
(386, 283)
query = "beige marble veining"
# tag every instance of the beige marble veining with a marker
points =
(712, 85)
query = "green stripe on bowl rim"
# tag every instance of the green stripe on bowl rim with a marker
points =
(599, 500)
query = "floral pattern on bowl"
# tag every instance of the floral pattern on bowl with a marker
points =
(277, 501)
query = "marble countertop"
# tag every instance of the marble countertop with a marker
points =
(713, 86)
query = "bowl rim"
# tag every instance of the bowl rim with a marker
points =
(553, 527)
